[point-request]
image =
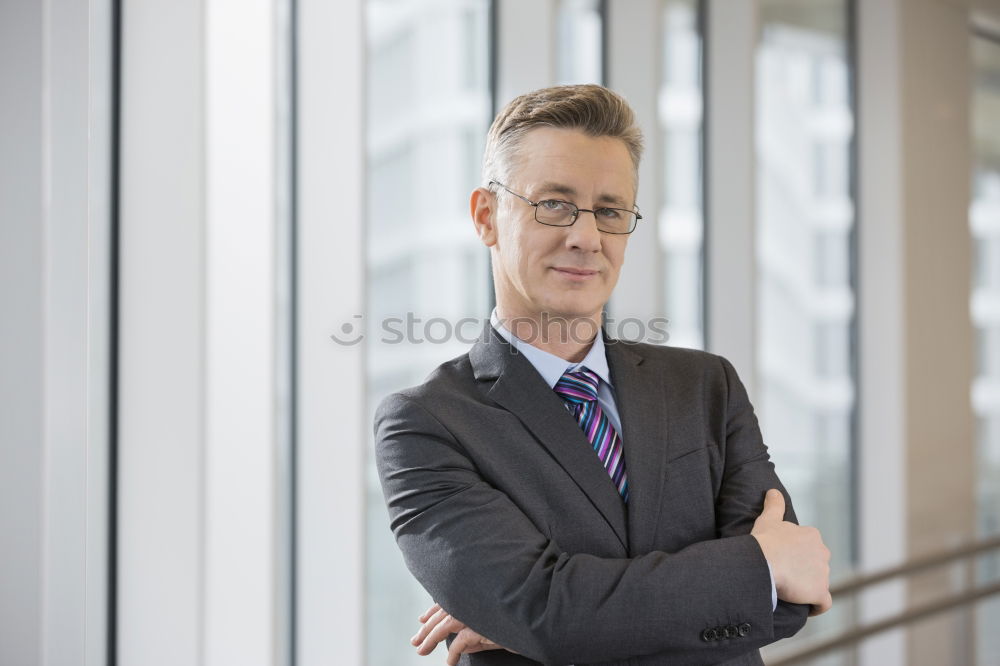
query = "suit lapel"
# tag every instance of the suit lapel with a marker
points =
(641, 399)
(512, 382)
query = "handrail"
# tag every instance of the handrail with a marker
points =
(915, 565)
(856, 634)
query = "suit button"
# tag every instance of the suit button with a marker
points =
(710, 635)
(744, 629)
(731, 631)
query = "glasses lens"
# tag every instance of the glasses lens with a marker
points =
(554, 212)
(615, 220)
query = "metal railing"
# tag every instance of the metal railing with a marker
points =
(851, 636)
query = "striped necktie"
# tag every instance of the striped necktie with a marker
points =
(579, 390)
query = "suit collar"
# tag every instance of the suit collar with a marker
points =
(491, 354)
(641, 398)
(511, 381)
(550, 366)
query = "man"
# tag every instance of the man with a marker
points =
(573, 498)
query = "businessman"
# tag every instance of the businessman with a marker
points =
(569, 498)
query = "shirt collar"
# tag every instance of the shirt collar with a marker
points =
(550, 366)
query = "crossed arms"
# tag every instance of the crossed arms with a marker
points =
(480, 556)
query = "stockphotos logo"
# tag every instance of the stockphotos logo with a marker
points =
(351, 332)
(411, 329)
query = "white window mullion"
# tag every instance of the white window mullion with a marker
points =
(76, 332)
(526, 41)
(333, 431)
(242, 440)
(162, 336)
(881, 323)
(731, 41)
(99, 174)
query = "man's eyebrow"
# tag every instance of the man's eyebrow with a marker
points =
(550, 187)
(613, 199)
(567, 191)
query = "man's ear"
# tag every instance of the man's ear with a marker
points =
(483, 206)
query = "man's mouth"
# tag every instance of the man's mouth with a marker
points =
(575, 273)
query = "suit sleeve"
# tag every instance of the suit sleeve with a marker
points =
(749, 474)
(483, 560)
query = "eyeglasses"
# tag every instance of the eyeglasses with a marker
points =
(558, 213)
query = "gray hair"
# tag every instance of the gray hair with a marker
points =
(592, 109)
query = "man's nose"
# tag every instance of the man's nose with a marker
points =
(583, 234)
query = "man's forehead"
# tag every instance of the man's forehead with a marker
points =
(554, 187)
(550, 160)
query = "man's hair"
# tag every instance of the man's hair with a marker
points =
(592, 109)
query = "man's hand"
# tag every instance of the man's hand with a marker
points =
(800, 562)
(437, 625)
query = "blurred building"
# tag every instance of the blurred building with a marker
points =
(229, 229)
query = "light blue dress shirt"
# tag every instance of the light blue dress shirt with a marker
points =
(552, 368)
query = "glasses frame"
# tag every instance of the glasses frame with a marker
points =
(576, 215)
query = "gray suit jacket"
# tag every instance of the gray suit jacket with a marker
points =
(508, 519)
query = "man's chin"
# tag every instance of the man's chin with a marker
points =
(574, 309)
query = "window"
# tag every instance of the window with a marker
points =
(805, 217)
(681, 221)
(428, 112)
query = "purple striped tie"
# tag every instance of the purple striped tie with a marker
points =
(579, 390)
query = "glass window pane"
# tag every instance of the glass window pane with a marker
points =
(805, 217)
(579, 42)
(428, 111)
(681, 221)
(984, 219)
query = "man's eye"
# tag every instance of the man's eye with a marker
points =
(609, 213)
(553, 205)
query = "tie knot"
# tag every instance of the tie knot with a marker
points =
(578, 387)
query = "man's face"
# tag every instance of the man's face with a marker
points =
(564, 271)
